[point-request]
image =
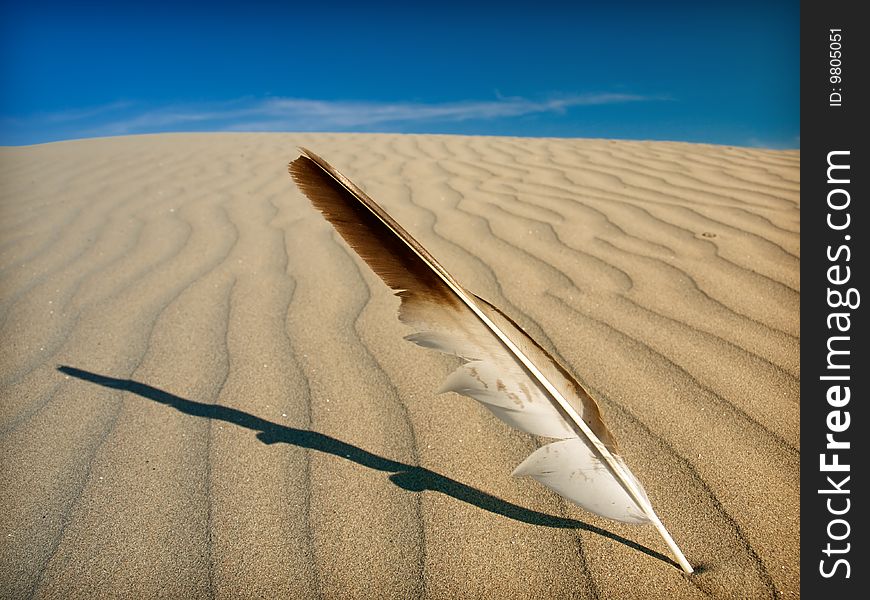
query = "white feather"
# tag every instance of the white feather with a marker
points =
(504, 368)
(570, 468)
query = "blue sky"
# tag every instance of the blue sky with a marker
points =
(713, 72)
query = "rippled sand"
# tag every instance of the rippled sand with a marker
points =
(204, 392)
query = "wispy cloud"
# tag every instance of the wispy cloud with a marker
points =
(300, 114)
(292, 114)
(61, 117)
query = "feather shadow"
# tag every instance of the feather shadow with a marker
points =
(408, 477)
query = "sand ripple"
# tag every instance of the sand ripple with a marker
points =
(235, 413)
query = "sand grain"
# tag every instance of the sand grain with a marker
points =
(236, 414)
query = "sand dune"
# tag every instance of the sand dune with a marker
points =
(205, 393)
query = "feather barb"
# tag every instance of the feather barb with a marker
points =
(504, 369)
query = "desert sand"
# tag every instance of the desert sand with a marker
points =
(205, 393)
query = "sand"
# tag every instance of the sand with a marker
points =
(205, 393)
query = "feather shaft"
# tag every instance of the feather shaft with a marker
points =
(308, 168)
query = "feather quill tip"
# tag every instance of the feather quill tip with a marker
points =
(503, 367)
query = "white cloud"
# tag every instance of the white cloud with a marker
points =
(299, 114)
(284, 114)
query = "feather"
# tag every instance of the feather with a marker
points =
(502, 367)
